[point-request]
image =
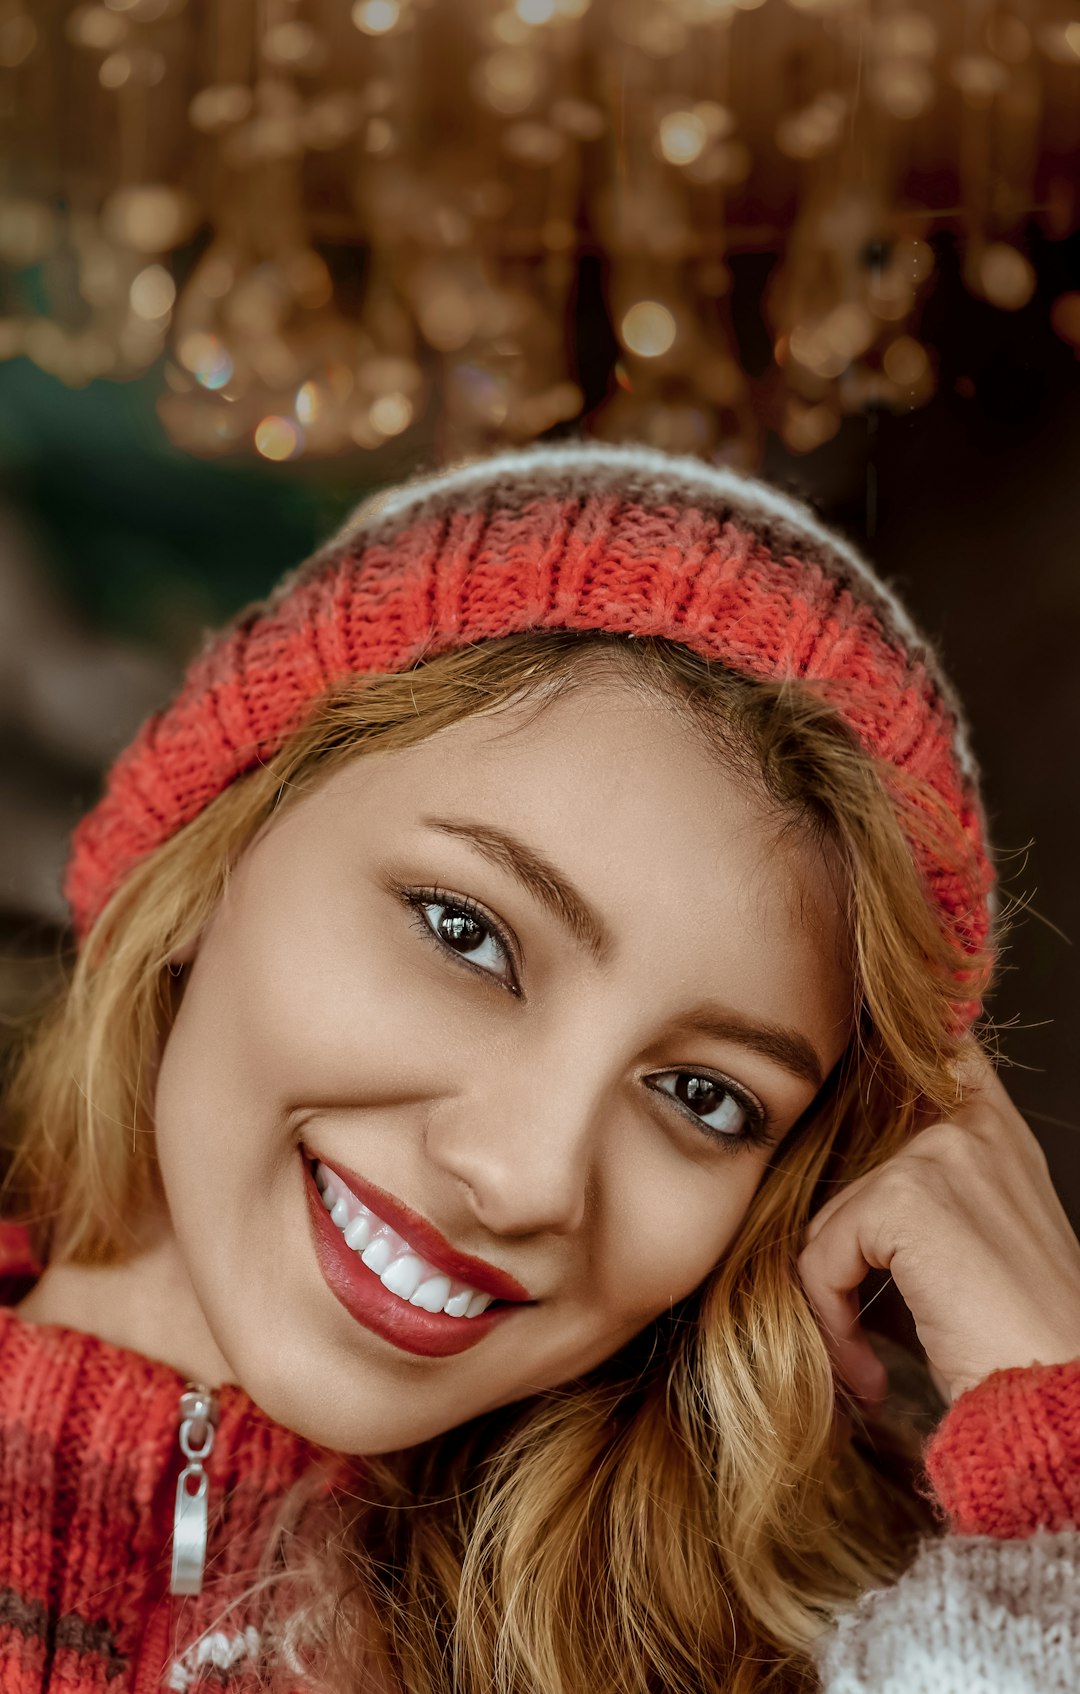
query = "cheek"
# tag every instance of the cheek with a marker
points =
(311, 1008)
(291, 1011)
(669, 1232)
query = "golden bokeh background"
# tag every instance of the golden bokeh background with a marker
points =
(346, 223)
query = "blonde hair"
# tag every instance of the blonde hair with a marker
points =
(689, 1516)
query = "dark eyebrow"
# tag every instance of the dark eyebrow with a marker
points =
(786, 1046)
(566, 903)
(544, 881)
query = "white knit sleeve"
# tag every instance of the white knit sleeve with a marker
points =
(971, 1615)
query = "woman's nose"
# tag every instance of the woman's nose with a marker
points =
(525, 1152)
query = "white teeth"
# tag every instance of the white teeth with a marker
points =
(383, 1251)
(359, 1232)
(378, 1253)
(404, 1276)
(431, 1294)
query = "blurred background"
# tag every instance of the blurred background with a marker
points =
(261, 257)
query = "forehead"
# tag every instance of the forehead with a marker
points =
(688, 866)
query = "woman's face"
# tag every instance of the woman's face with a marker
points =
(558, 1081)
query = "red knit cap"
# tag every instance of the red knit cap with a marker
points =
(581, 536)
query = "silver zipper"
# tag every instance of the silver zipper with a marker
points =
(198, 1423)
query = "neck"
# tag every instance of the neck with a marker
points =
(145, 1303)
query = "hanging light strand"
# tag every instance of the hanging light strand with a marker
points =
(334, 226)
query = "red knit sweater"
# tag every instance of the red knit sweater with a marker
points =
(89, 1460)
(88, 1467)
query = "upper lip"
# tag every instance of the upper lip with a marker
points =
(422, 1235)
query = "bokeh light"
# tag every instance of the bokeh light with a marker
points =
(1006, 277)
(278, 438)
(376, 17)
(206, 358)
(681, 137)
(535, 11)
(152, 293)
(648, 328)
(905, 361)
(391, 413)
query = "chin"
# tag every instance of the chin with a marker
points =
(346, 1418)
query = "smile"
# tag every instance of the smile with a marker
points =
(396, 1264)
(395, 1273)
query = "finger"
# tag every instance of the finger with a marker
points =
(831, 1282)
(853, 1358)
(940, 1384)
(832, 1270)
(829, 1210)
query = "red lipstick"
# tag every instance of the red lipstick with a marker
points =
(427, 1334)
(460, 1267)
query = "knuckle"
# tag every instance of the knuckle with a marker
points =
(898, 1180)
(936, 1138)
(904, 1192)
(949, 1144)
(1033, 1154)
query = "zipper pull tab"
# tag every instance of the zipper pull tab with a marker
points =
(198, 1420)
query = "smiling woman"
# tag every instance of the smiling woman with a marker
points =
(511, 936)
(547, 1108)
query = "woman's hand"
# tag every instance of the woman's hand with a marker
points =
(966, 1219)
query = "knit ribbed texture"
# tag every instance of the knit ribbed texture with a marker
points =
(971, 1616)
(88, 1464)
(89, 1459)
(579, 537)
(994, 1607)
(1007, 1458)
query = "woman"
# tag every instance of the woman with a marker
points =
(525, 981)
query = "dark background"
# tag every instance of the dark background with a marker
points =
(116, 552)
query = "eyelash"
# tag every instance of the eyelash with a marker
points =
(759, 1124)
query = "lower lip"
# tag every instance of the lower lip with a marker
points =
(432, 1335)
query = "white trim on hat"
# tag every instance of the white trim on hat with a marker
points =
(749, 492)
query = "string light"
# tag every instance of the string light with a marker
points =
(473, 155)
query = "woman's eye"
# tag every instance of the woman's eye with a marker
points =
(460, 926)
(456, 924)
(723, 1113)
